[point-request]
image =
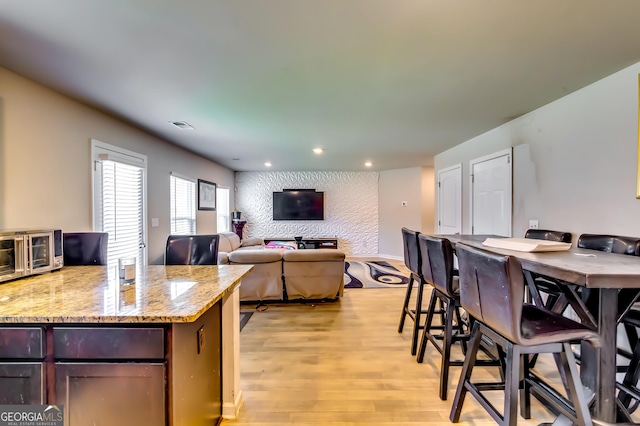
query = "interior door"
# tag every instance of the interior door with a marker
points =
(450, 200)
(491, 195)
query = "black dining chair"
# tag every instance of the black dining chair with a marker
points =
(540, 283)
(192, 250)
(438, 270)
(413, 262)
(85, 248)
(492, 292)
(629, 316)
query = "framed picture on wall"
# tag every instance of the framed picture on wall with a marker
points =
(206, 195)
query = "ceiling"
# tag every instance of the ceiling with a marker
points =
(393, 82)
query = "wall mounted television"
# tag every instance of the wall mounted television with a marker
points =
(298, 204)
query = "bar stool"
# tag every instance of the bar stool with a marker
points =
(543, 284)
(192, 250)
(437, 269)
(413, 262)
(492, 292)
(85, 248)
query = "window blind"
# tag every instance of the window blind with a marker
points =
(121, 215)
(222, 208)
(183, 206)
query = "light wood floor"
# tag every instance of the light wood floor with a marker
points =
(344, 363)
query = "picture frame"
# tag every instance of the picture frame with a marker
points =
(206, 195)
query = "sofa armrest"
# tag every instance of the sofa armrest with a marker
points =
(223, 258)
(250, 242)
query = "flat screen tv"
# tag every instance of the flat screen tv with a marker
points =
(298, 205)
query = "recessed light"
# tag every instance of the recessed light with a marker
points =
(318, 150)
(268, 164)
(368, 164)
(182, 125)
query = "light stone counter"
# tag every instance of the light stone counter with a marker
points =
(94, 294)
(176, 328)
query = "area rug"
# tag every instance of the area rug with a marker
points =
(373, 274)
(244, 319)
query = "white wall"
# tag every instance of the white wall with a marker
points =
(45, 166)
(395, 187)
(350, 200)
(575, 160)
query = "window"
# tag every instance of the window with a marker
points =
(119, 200)
(222, 207)
(183, 205)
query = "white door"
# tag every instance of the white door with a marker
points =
(491, 194)
(119, 201)
(450, 200)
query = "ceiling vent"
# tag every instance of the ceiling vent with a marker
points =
(182, 125)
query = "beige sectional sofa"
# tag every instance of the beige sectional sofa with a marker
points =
(305, 274)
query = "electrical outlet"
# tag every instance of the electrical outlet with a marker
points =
(201, 339)
(533, 224)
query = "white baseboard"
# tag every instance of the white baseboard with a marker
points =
(230, 411)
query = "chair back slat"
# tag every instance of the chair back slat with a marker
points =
(492, 289)
(411, 251)
(437, 263)
(610, 243)
(545, 234)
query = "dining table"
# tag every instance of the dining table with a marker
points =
(600, 287)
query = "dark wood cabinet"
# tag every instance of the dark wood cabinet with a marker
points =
(123, 394)
(22, 383)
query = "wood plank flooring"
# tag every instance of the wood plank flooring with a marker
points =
(345, 364)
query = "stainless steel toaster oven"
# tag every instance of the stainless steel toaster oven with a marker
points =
(29, 252)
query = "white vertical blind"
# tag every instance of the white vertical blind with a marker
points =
(121, 212)
(183, 206)
(222, 209)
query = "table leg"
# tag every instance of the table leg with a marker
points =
(603, 303)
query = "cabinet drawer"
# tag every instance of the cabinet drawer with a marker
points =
(22, 343)
(108, 343)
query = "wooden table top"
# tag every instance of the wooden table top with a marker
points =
(588, 268)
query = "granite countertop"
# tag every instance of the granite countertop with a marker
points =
(94, 294)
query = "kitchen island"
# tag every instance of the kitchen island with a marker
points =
(163, 350)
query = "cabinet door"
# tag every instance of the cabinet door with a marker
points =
(107, 394)
(21, 383)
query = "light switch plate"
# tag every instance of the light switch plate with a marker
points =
(155, 222)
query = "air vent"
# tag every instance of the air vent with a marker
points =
(182, 125)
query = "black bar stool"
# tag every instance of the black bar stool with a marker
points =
(413, 262)
(437, 269)
(85, 248)
(192, 250)
(492, 292)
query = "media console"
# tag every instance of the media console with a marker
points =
(310, 243)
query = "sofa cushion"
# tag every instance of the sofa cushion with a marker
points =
(229, 241)
(255, 256)
(251, 242)
(313, 255)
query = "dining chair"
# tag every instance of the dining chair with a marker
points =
(437, 269)
(85, 248)
(413, 262)
(192, 250)
(492, 292)
(540, 283)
